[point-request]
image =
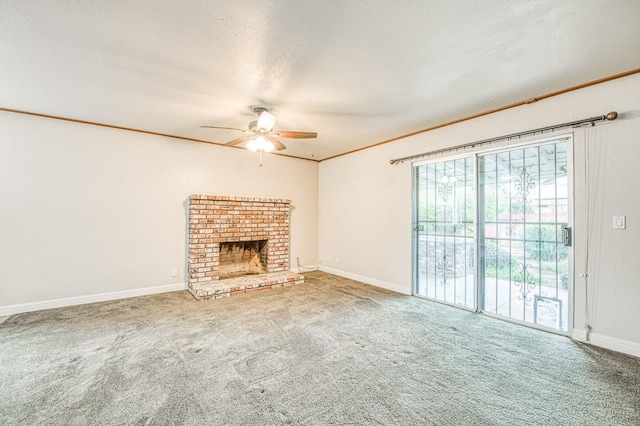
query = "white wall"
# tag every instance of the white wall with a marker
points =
(87, 210)
(365, 204)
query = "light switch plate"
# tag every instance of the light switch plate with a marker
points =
(619, 222)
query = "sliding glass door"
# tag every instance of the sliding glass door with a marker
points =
(492, 233)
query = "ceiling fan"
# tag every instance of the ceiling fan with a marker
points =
(260, 134)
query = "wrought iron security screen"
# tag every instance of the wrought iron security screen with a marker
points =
(523, 209)
(445, 203)
(510, 258)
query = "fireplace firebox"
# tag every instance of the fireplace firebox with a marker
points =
(242, 258)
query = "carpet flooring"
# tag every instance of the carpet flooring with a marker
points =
(331, 351)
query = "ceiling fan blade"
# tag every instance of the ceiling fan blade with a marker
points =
(223, 128)
(279, 146)
(295, 135)
(239, 140)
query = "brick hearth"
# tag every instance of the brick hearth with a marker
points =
(246, 284)
(221, 219)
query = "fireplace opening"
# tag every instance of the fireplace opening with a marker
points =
(242, 258)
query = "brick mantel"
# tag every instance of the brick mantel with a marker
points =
(217, 219)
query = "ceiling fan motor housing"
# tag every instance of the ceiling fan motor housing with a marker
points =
(259, 110)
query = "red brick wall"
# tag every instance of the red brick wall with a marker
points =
(216, 219)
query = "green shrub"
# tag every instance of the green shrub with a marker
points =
(496, 257)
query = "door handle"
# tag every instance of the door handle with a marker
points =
(566, 236)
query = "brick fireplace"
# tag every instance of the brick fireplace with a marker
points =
(238, 245)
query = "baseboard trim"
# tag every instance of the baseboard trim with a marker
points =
(579, 335)
(92, 298)
(608, 342)
(366, 280)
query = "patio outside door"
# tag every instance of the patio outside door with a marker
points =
(510, 258)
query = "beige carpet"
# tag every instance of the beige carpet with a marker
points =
(328, 352)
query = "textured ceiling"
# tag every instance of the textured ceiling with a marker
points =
(356, 72)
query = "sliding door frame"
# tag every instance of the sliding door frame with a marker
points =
(478, 237)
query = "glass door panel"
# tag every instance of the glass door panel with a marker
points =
(523, 209)
(444, 226)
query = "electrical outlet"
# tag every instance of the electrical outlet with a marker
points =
(337, 260)
(174, 272)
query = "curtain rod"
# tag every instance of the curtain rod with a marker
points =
(593, 120)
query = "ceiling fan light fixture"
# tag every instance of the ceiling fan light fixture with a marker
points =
(268, 146)
(266, 121)
(259, 143)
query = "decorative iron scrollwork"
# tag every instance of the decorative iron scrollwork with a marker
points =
(445, 187)
(524, 183)
(444, 269)
(525, 282)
